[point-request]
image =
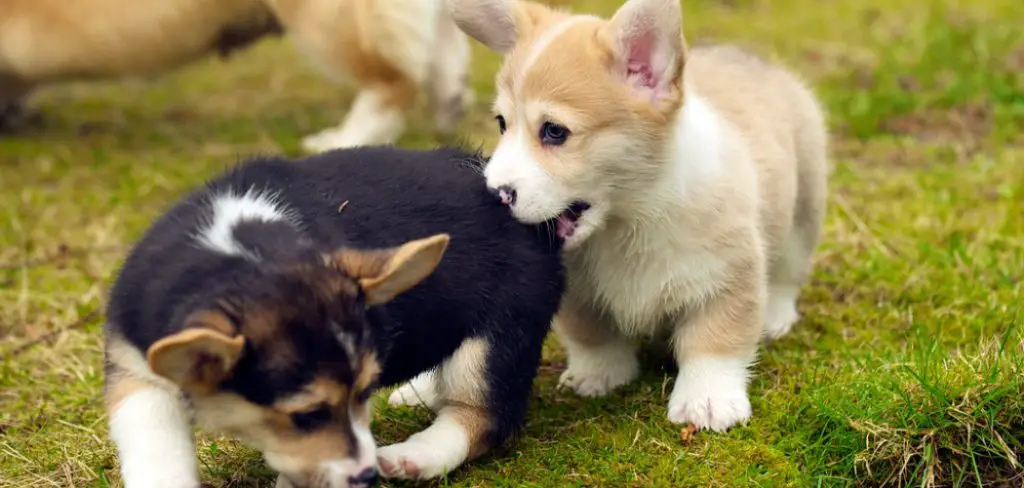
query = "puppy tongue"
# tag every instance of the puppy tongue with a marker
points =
(565, 226)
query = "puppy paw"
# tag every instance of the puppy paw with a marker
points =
(781, 313)
(431, 453)
(778, 325)
(593, 373)
(420, 391)
(415, 460)
(711, 394)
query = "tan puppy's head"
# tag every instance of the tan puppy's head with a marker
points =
(585, 105)
(285, 361)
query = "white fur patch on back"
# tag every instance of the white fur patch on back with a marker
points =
(699, 139)
(228, 209)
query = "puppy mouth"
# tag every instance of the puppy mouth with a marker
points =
(568, 221)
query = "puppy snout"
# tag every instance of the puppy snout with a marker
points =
(506, 194)
(368, 477)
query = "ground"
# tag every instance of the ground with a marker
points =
(907, 368)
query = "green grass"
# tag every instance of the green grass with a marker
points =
(907, 370)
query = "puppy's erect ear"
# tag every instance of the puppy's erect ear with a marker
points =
(200, 356)
(646, 38)
(497, 24)
(383, 274)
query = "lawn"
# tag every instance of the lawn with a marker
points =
(907, 369)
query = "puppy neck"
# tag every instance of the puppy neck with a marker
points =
(689, 164)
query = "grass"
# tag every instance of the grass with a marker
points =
(907, 370)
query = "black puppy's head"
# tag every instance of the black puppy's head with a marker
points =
(285, 362)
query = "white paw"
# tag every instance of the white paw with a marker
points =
(431, 453)
(781, 313)
(595, 372)
(420, 391)
(711, 393)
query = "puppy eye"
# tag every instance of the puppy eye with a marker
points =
(553, 134)
(312, 419)
(501, 124)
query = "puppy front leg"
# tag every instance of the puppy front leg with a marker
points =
(153, 434)
(714, 346)
(599, 357)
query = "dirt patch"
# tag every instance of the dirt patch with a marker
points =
(967, 124)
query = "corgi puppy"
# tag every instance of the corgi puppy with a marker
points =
(272, 303)
(688, 187)
(391, 50)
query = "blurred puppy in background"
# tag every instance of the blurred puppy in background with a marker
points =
(389, 50)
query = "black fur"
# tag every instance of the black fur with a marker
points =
(499, 279)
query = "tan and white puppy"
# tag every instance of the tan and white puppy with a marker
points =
(689, 186)
(390, 50)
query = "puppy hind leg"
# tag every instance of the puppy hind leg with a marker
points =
(793, 267)
(599, 357)
(449, 76)
(420, 391)
(153, 433)
(784, 288)
(388, 56)
(377, 116)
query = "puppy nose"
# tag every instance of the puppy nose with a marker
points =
(506, 194)
(368, 477)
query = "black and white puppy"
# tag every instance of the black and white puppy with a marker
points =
(270, 304)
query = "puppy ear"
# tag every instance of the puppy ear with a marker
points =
(497, 24)
(646, 38)
(200, 356)
(383, 274)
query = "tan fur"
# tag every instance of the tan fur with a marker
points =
(390, 50)
(475, 421)
(196, 359)
(463, 393)
(384, 274)
(464, 424)
(709, 246)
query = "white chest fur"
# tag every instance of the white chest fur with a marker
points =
(649, 265)
(645, 284)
